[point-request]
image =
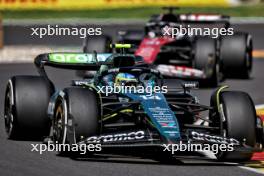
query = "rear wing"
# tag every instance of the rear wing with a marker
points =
(199, 17)
(74, 61)
(205, 18)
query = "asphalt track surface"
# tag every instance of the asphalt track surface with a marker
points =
(16, 157)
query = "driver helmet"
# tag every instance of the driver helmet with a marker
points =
(108, 80)
(125, 79)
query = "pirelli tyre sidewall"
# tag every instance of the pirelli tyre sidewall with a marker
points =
(76, 115)
(236, 55)
(26, 103)
(238, 120)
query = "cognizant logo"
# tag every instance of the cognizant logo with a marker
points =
(71, 58)
(77, 58)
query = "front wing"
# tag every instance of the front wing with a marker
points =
(142, 139)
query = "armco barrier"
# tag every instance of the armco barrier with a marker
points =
(100, 4)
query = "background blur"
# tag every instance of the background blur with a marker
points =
(18, 16)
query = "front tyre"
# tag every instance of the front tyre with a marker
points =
(76, 115)
(237, 119)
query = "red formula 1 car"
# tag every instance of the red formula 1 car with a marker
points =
(207, 58)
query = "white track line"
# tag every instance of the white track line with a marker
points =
(251, 169)
(261, 106)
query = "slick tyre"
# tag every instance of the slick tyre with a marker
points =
(205, 58)
(76, 115)
(26, 103)
(131, 36)
(100, 44)
(236, 55)
(239, 123)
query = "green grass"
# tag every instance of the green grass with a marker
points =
(129, 13)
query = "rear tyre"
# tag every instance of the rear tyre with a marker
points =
(239, 123)
(76, 116)
(131, 37)
(100, 44)
(205, 58)
(26, 103)
(236, 55)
